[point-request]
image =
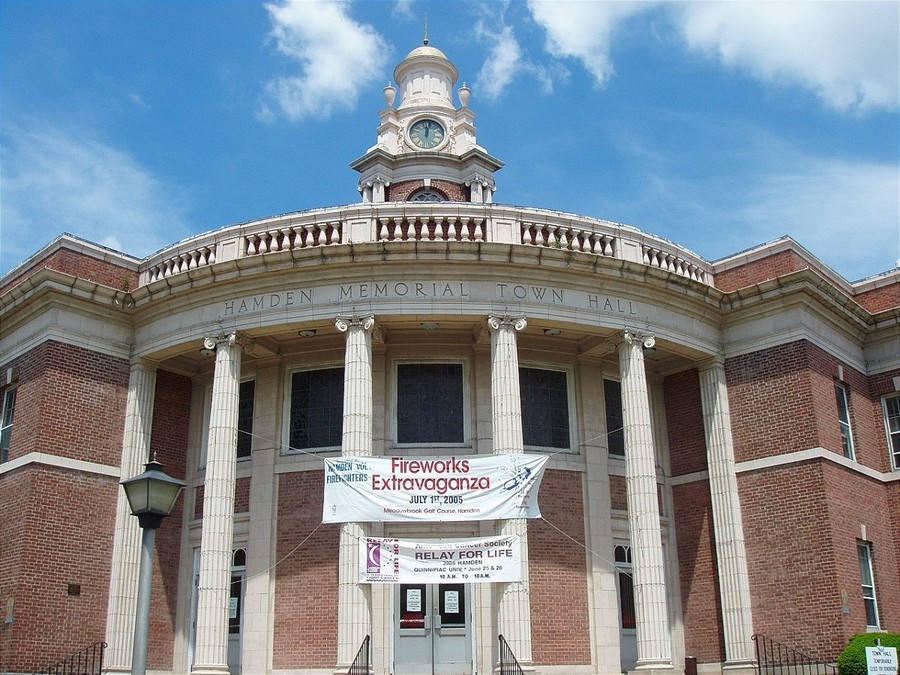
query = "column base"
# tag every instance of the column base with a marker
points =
(653, 668)
(739, 668)
(199, 669)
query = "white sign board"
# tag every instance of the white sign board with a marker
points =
(471, 561)
(475, 487)
(881, 660)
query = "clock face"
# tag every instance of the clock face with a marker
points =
(426, 134)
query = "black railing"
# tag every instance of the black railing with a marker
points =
(774, 658)
(508, 663)
(89, 661)
(360, 665)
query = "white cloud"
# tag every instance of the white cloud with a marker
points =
(54, 182)
(845, 212)
(337, 57)
(845, 52)
(583, 30)
(503, 63)
(403, 9)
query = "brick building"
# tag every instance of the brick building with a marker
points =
(723, 438)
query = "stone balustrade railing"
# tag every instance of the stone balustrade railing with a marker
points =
(446, 221)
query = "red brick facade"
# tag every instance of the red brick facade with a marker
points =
(557, 573)
(306, 581)
(81, 265)
(401, 192)
(64, 523)
(171, 426)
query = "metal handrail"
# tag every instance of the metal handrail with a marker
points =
(775, 658)
(508, 663)
(88, 661)
(361, 663)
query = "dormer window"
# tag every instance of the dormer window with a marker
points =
(427, 195)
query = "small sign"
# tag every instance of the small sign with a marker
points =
(881, 660)
(232, 608)
(413, 599)
(451, 602)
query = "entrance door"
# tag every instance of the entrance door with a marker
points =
(432, 629)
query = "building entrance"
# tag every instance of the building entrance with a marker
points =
(432, 629)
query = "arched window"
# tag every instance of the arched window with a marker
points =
(427, 195)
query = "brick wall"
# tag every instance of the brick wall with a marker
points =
(241, 498)
(855, 503)
(83, 266)
(559, 613)
(791, 558)
(698, 575)
(70, 402)
(880, 299)
(757, 271)
(801, 525)
(618, 496)
(400, 192)
(171, 424)
(782, 400)
(306, 579)
(684, 422)
(56, 529)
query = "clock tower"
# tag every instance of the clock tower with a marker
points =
(426, 148)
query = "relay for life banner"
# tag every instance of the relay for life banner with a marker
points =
(475, 487)
(471, 561)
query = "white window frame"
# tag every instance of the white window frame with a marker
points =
(466, 402)
(893, 435)
(6, 419)
(842, 397)
(866, 573)
(570, 402)
(286, 411)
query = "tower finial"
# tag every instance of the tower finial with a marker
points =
(425, 40)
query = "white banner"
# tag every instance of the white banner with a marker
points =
(475, 487)
(470, 561)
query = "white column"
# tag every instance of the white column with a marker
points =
(211, 645)
(514, 611)
(356, 439)
(127, 538)
(654, 646)
(734, 583)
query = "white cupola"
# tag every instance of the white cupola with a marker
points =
(426, 144)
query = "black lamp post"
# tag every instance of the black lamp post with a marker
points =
(151, 496)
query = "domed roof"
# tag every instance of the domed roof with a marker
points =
(430, 57)
(426, 50)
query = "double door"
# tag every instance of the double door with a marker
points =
(432, 629)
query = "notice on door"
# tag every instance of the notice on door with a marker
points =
(472, 561)
(413, 599)
(451, 602)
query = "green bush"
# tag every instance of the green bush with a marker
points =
(852, 661)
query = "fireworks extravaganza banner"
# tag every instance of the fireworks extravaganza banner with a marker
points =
(471, 561)
(475, 487)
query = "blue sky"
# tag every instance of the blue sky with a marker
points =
(719, 126)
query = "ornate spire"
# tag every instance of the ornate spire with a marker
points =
(425, 39)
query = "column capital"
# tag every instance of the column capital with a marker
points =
(495, 321)
(344, 323)
(212, 342)
(646, 339)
